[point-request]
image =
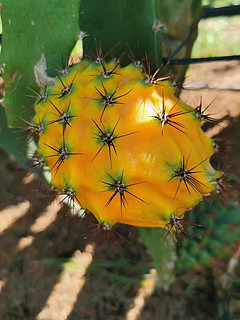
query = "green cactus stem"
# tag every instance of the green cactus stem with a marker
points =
(32, 30)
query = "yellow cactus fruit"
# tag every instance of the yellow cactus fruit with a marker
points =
(120, 144)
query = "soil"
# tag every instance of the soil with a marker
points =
(53, 266)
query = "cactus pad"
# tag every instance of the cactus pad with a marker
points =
(120, 144)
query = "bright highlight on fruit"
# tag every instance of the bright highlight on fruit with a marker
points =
(120, 144)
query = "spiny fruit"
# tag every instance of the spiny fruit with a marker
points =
(120, 144)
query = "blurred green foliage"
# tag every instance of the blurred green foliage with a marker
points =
(215, 239)
(220, 3)
(217, 37)
(120, 271)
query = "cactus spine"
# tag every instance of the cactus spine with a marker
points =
(120, 144)
(116, 139)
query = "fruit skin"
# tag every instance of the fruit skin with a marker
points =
(120, 144)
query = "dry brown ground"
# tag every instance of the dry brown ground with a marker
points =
(36, 235)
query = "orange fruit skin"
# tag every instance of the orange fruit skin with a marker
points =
(133, 178)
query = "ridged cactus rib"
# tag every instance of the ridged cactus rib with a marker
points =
(123, 147)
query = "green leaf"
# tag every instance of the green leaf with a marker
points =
(31, 29)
